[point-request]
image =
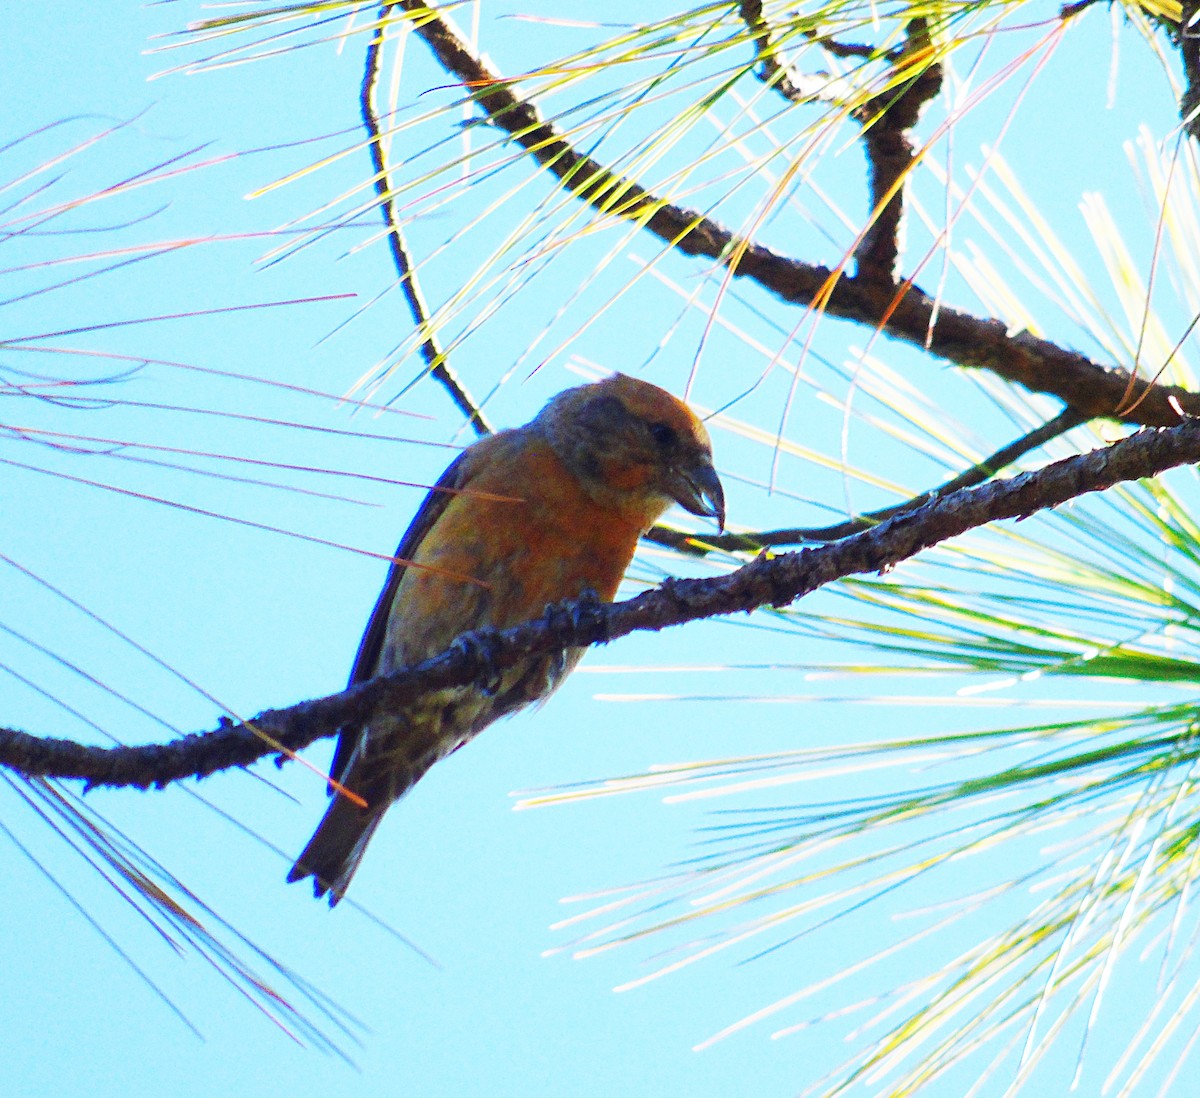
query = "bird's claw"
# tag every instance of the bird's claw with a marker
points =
(481, 645)
(584, 613)
(590, 612)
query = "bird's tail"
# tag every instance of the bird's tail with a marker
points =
(336, 848)
(341, 838)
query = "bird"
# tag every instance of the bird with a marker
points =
(522, 520)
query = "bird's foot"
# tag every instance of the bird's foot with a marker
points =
(590, 611)
(585, 612)
(482, 644)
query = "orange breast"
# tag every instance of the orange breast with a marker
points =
(551, 545)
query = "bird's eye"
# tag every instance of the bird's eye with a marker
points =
(663, 434)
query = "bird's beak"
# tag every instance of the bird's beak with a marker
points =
(698, 489)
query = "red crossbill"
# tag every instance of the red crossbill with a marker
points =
(521, 520)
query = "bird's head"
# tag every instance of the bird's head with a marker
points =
(635, 446)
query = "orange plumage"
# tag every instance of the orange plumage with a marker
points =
(522, 519)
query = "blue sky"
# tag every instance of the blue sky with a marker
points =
(260, 618)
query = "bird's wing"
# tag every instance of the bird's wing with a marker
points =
(369, 648)
(427, 514)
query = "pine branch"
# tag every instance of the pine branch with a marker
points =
(765, 581)
(887, 121)
(905, 312)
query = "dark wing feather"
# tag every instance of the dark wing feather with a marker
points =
(369, 648)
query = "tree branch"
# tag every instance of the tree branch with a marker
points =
(888, 119)
(435, 358)
(765, 581)
(906, 313)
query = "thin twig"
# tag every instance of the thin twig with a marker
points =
(435, 359)
(1188, 39)
(844, 50)
(773, 70)
(801, 535)
(1069, 11)
(766, 581)
(1037, 364)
